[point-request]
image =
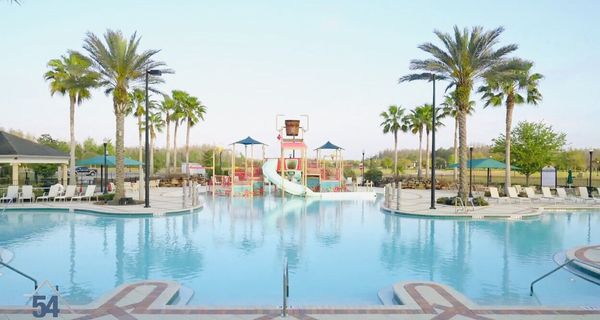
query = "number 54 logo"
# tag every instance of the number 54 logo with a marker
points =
(43, 308)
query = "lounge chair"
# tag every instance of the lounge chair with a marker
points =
(518, 188)
(495, 195)
(69, 193)
(52, 193)
(531, 194)
(513, 195)
(562, 193)
(12, 193)
(547, 195)
(89, 193)
(584, 195)
(26, 194)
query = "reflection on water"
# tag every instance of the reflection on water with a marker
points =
(339, 252)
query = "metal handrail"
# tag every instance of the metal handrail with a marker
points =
(286, 288)
(35, 283)
(547, 274)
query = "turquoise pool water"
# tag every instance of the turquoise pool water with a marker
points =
(339, 253)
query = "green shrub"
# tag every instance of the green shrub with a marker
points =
(451, 201)
(374, 175)
(348, 172)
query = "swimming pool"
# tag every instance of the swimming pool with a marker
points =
(340, 253)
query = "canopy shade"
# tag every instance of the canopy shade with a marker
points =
(248, 141)
(330, 146)
(485, 163)
(15, 149)
(111, 161)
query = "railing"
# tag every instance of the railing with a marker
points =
(547, 274)
(35, 283)
(286, 288)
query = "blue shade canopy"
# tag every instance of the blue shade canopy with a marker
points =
(486, 163)
(330, 146)
(248, 141)
(110, 161)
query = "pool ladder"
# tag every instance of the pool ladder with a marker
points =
(286, 288)
(35, 283)
(547, 274)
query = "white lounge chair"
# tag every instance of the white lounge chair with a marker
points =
(495, 195)
(52, 192)
(12, 193)
(518, 188)
(69, 193)
(89, 193)
(513, 195)
(547, 195)
(584, 195)
(531, 194)
(562, 193)
(26, 194)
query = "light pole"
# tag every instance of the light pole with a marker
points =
(471, 172)
(147, 142)
(590, 182)
(432, 201)
(105, 173)
(362, 169)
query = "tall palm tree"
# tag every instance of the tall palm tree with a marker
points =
(137, 98)
(177, 116)
(428, 114)
(394, 121)
(193, 111)
(450, 108)
(465, 57)
(167, 105)
(72, 75)
(506, 83)
(122, 65)
(415, 123)
(156, 124)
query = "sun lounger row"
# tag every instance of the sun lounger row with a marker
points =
(561, 195)
(56, 193)
(12, 194)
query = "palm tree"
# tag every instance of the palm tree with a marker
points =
(467, 56)
(177, 116)
(167, 106)
(415, 123)
(72, 75)
(394, 121)
(193, 111)
(156, 124)
(505, 83)
(137, 99)
(122, 66)
(428, 114)
(450, 109)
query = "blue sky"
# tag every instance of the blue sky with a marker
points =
(337, 61)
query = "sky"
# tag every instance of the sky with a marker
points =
(336, 61)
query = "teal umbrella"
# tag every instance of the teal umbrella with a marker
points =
(110, 162)
(570, 177)
(485, 163)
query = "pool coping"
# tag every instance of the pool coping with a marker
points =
(95, 211)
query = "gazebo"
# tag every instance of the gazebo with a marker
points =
(337, 160)
(247, 180)
(16, 151)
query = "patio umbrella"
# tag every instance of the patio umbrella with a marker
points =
(570, 178)
(485, 163)
(110, 161)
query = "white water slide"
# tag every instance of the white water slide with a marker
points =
(270, 172)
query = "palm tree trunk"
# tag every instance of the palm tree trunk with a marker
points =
(140, 159)
(510, 104)
(420, 164)
(168, 159)
(462, 154)
(396, 154)
(152, 139)
(455, 147)
(187, 150)
(427, 154)
(72, 174)
(175, 146)
(120, 156)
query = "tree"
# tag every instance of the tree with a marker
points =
(122, 66)
(450, 106)
(137, 98)
(72, 76)
(193, 111)
(393, 121)
(504, 84)
(167, 106)
(46, 170)
(534, 145)
(177, 116)
(467, 56)
(428, 114)
(156, 124)
(415, 123)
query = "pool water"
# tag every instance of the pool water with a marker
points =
(340, 253)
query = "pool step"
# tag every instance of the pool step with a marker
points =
(387, 297)
(184, 295)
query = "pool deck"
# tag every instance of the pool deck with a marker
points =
(417, 203)
(421, 300)
(587, 258)
(163, 201)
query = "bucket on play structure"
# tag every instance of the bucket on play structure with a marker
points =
(292, 127)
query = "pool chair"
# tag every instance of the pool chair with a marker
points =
(531, 194)
(69, 193)
(26, 194)
(547, 195)
(584, 195)
(513, 195)
(12, 193)
(518, 188)
(52, 193)
(89, 193)
(496, 196)
(562, 193)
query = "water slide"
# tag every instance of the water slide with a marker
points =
(270, 171)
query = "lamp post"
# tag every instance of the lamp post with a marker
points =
(105, 183)
(147, 142)
(362, 169)
(590, 182)
(471, 172)
(432, 201)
